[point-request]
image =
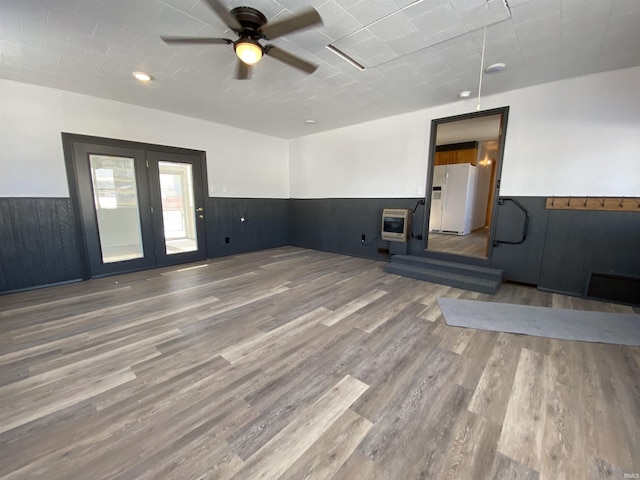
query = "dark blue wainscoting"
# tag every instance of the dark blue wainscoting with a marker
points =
(562, 248)
(37, 243)
(337, 224)
(580, 242)
(266, 224)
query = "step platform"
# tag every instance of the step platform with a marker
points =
(453, 274)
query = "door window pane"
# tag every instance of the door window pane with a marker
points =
(116, 203)
(178, 208)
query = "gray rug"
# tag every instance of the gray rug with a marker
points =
(617, 328)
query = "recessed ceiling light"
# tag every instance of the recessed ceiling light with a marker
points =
(143, 77)
(310, 122)
(495, 68)
(465, 94)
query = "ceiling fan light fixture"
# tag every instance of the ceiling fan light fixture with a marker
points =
(249, 51)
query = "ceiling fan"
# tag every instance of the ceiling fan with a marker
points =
(251, 26)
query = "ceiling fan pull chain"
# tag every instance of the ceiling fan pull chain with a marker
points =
(484, 44)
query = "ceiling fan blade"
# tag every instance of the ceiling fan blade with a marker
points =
(244, 71)
(290, 59)
(224, 14)
(301, 20)
(195, 40)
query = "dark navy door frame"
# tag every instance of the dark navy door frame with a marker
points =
(76, 148)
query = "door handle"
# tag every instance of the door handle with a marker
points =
(200, 209)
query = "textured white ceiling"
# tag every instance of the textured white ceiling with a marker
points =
(417, 53)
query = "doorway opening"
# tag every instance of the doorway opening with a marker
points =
(136, 206)
(463, 180)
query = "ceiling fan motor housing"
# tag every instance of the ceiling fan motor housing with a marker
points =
(251, 20)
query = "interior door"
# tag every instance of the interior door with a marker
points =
(139, 208)
(486, 130)
(175, 183)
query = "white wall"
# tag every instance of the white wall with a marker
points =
(573, 137)
(382, 158)
(32, 161)
(579, 136)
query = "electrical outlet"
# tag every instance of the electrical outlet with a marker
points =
(363, 238)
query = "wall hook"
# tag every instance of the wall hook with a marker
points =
(586, 199)
(569, 202)
(602, 204)
(553, 201)
(621, 201)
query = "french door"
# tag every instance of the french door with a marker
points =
(139, 206)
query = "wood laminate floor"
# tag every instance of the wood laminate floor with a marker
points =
(297, 364)
(471, 245)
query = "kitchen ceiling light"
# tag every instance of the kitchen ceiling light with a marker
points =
(464, 94)
(310, 122)
(143, 77)
(495, 68)
(249, 51)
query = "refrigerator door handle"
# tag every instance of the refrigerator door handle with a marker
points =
(446, 191)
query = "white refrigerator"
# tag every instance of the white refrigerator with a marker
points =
(452, 199)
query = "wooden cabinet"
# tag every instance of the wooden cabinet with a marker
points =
(457, 153)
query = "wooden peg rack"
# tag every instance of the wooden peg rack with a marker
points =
(609, 204)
